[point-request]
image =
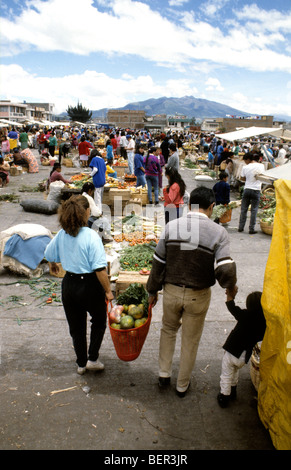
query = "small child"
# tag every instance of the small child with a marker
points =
(249, 330)
(222, 189)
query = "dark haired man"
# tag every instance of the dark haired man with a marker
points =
(184, 267)
(252, 191)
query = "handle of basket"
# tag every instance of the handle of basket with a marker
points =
(109, 305)
(150, 311)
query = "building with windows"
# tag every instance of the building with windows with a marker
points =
(232, 123)
(179, 122)
(26, 112)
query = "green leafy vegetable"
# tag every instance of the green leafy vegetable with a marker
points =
(134, 294)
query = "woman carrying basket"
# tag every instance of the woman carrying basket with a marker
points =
(85, 287)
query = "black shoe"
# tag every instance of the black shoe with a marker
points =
(240, 229)
(233, 392)
(182, 394)
(223, 400)
(252, 232)
(164, 382)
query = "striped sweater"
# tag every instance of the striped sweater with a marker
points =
(193, 251)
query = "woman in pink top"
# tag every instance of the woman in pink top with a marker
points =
(173, 195)
(55, 175)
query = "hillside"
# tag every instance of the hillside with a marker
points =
(188, 106)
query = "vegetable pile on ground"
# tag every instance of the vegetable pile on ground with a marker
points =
(134, 258)
(9, 198)
(131, 310)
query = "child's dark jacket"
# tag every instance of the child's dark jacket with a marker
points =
(249, 330)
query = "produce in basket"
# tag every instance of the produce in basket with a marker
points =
(131, 309)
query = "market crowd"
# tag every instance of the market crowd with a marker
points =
(184, 268)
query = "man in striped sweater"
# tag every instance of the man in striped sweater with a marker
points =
(193, 252)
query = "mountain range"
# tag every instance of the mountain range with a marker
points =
(188, 105)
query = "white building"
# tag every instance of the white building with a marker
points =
(25, 112)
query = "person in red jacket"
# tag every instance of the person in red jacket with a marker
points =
(173, 194)
(84, 151)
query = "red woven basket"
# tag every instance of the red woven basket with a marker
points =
(128, 343)
(226, 217)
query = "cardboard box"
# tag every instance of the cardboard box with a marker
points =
(125, 278)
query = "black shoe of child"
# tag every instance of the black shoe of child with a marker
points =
(223, 400)
(233, 392)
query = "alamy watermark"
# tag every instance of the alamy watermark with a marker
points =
(187, 234)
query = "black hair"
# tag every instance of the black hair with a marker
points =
(56, 165)
(253, 302)
(173, 147)
(93, 154)
(223, 175)
(175, 177)
(87, 186)
(202, 196)
(151, 151)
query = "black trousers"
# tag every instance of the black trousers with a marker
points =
(82, 294)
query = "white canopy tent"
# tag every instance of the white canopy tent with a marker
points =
(280, 172)
(10, 123)
(255, 131)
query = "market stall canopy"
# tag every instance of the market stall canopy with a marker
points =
(255, 131)
(10, 123)
(280, 172)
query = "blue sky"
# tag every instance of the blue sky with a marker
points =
(107, 53)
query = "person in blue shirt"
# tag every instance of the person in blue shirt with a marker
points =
(98, 165)
(139, 170)
(109, 151)
(210, 160)
(219, 152)
(85, 286)
(221, 191)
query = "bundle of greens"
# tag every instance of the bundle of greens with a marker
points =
(268, 215)
(134, 294)
(190, 164)
(220, 210)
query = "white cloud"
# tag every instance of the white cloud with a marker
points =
(257, 105)
(211, 7)
(271, 20)
(129, 27)
(94, 90)
(213, 84)
(177, 3)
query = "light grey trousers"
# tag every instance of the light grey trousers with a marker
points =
(185, 308)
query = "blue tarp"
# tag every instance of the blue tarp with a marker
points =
(29, 252)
